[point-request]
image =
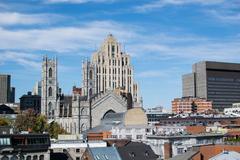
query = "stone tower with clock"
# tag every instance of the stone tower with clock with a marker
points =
(49, 96)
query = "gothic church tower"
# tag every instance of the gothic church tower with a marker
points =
(49, 98)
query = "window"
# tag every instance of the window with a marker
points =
(180, 150)
(35, 157)
(4, 141)
(129, 136)
(139, 136)
(114, 136)
(50, 72)
(77, 158)
(28, 158)
(78, 150)
(146, 153)
(50, 91)
(41, 157)
(132, 154)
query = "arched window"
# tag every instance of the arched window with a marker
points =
(50, 72)
(35, 157)
(28, 158)
(83, 127)
(50, 108)
(41, 157)
(108, 112)
(90, 74)
(50, 91)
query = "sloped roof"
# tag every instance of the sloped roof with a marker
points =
(4, 109)
(104, 153)
(186, 156)
(137, 151)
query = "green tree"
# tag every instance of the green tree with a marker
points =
(40, 125)
(37, 123)
(55, 129)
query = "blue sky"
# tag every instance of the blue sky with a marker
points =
(164, 38)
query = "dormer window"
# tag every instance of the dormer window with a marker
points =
(146, 154)
(132, 154)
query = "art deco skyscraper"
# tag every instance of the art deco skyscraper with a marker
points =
(109, 69)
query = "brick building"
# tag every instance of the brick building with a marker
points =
(190, 105)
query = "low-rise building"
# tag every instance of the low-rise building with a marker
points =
(190, 105)
(199, 120)
(210, 152)
(155, 114)
(131, 124)
(173, 145)
(24, 146)
(74, 148)
(29, 101)
(233, 111)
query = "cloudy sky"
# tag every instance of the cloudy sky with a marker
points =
(164, 38)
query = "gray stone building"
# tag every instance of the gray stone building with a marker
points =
(75, 113)
(107, 83)
(50, 91)
(7, 94)
(216, 81)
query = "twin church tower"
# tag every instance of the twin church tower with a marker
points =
(110, 69)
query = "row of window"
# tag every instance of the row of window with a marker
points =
(127, 136)
(5, 141)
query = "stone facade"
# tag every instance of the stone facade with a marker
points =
(109, 68)
(49, 98)
(73, 112)
(101, 105)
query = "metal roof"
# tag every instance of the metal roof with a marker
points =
(104, 153)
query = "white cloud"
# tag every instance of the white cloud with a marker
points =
(162, 3)
(82, 39)
(14, 18)
(62, 39)
(225, 15)
(27, 60)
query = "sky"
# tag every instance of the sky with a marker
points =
(163, 37)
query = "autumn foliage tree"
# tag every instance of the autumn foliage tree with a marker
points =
(4, 122)
(37, 123)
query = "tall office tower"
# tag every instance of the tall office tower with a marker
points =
(109, 69)
(7, 93)
(216, 81)
(49, 98)
(12, 95)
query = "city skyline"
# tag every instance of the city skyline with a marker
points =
(164, 39)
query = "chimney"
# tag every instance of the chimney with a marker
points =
(167, 150)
